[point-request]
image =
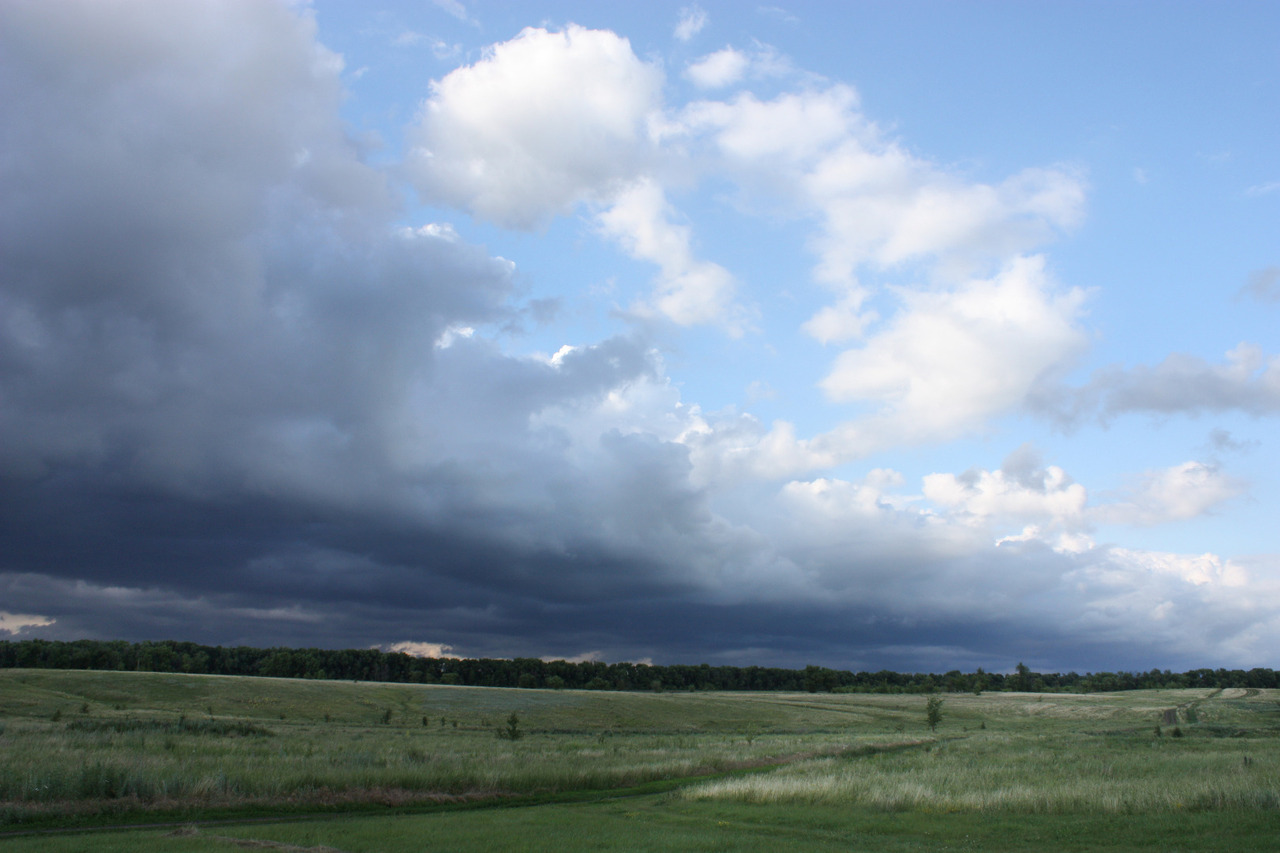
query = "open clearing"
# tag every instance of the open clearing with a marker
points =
(372, 767)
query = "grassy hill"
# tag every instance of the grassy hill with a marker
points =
(78, 748)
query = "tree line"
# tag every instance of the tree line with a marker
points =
(376, 665)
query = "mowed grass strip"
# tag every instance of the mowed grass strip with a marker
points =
(673, 824)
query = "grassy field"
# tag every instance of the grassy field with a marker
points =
(392, 767)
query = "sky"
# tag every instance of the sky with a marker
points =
(916, 336)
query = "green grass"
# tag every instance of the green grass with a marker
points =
(742, 771)
(659, 823)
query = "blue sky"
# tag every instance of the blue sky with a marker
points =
(907, 335)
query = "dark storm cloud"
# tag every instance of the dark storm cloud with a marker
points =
(229, 381)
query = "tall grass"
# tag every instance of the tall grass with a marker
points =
(161, 763)
(1063, 774)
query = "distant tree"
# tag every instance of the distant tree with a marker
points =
(819, 678)
(933, 712)
(359, 665)
(979, 682)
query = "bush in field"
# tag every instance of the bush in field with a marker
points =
(933, 712)
(512, 730)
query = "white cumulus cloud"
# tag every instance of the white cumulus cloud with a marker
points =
(1178, 493)
(949, 360)
(689, 290)
(541, 123)
(717, 70)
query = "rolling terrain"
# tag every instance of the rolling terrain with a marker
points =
(369, 766)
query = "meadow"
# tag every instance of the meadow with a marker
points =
(346, 766)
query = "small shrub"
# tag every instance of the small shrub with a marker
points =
(512, 730)
(1177, 731)
(386, 716)
(57, 715)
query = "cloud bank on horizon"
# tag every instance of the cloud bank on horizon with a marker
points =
(434, 329)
